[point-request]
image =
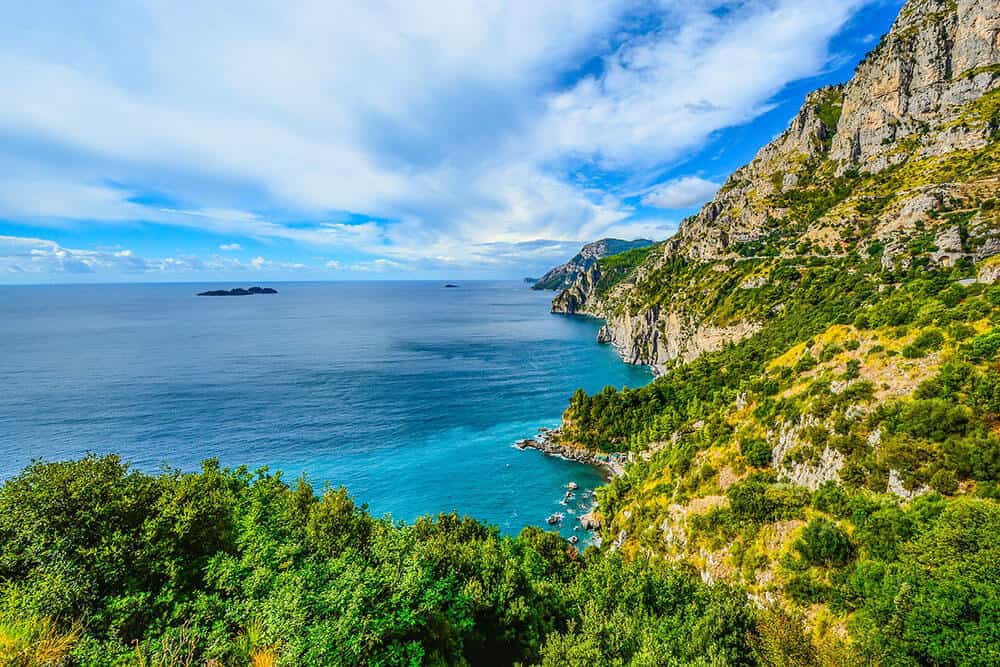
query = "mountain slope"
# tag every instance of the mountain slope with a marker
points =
(828, 336)
(566, 274)
(904, 157)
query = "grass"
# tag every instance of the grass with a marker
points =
(35, 642)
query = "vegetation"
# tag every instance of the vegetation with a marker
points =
(841, 464)
(822, 492)
(103, 565)
(616, 267)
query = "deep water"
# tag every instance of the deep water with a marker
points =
(408, 394)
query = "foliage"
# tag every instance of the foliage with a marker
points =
(823, 543)
(940, 603)
(242, 569)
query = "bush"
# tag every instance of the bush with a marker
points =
(757, 453)
(927, 341)
(982, 348)
(758, 500)
(830, 497)
(944, 481)
(824, 543)
(938, 604)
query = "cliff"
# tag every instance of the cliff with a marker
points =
(828, 335)
(902, 162)
(565, 275)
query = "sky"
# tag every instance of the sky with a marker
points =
(322, 140)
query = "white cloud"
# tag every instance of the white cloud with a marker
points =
(43, 257)
(262, 263)
(681, 193)
(378, 265)
(666, 92)
(446, 118)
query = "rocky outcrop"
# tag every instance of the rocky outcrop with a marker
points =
(653, 336)
(563, 276)
(656, 337)
(896, 487)
(740, 211)
(908, 100)
(939, 56)
(580, 298)
(548, 442)
(927, 93)
(989, 271)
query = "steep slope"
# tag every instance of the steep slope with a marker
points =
(901, 163)
(565, 275)
(828, 333)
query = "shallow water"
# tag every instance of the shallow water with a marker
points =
(408, 394)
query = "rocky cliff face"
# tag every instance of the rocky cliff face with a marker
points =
(939, 56)
(563, 276)
(903, 161)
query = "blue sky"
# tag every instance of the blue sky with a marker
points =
(248, 141)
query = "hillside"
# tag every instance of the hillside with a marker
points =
(566, 274)
(826, 334)
(900, 164)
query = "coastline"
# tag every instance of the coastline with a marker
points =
(547, 442)
(611, 466)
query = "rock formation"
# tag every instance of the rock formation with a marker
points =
(901, 162)
(565, 275)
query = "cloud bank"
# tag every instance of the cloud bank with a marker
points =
(387, 134)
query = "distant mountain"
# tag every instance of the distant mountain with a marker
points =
(565, 275)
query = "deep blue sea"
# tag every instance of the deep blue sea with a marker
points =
(409, 394)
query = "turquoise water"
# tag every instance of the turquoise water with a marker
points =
(408, 394)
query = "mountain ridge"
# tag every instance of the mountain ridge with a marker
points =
(863, 165)
(826, 333)
(566, 274)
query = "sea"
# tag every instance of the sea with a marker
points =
(409, 394)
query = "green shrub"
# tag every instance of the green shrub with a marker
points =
(824, 543)
(983, 348)
(757, 453)
(927, 341)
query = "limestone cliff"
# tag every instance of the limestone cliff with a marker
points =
(563, 276)
(902, 162)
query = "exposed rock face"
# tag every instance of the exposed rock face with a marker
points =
(810, 474)
(657, 337)
(896, 487)
(580, 296)
(653, 336)
(549, 443)
(935, 60)
(738, 213)
(927, 93)
(989, 272)
(940, 56)
(563, 277)
(950, 247)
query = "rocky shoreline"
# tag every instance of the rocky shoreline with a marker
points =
(547, 442)
(612, 465)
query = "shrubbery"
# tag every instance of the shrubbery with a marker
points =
(239, 567)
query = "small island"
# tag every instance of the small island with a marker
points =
(450, 285)
(239, 291)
